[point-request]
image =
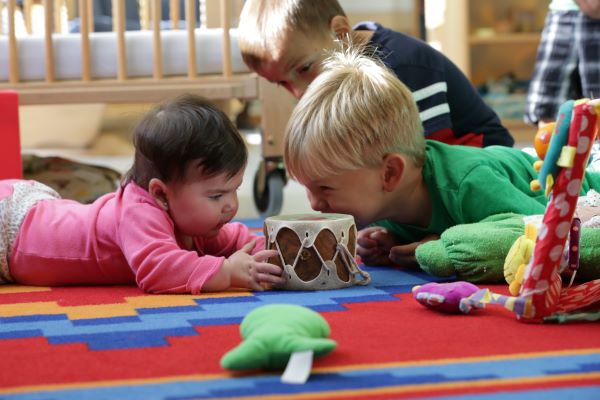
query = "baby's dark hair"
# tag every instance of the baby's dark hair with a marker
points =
(181, 131)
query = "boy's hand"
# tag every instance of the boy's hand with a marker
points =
(374, 245)
(404, 255)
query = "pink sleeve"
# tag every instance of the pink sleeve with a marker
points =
(231, 238)
(159, 264)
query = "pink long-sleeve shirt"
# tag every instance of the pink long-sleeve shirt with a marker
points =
(123, 237)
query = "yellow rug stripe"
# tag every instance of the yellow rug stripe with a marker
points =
(127, 308)
(12, 289)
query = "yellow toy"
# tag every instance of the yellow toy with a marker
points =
(518, 257)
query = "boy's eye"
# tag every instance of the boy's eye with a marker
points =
(215, 197)
(305, 68)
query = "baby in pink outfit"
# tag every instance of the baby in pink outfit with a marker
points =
(167, 228)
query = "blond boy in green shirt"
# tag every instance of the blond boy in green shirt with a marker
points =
(355, 142)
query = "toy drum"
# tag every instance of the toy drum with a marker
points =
(316, 251)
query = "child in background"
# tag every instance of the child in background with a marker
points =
(284, 41)
(567, 64)
(355, 142)
(167, 228)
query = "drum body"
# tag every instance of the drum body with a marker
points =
(316, 251)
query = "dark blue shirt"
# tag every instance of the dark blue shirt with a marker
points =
(449, 106)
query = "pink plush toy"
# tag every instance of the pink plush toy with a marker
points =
(444, 297)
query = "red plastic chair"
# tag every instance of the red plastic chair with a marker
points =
(11, 166)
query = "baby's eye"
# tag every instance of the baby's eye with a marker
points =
(215, 197)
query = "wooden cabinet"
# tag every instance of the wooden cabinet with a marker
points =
(488, 39)
(399, 15)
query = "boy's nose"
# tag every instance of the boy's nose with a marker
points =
(298, 92)
(318, 204)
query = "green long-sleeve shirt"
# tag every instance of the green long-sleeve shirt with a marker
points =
(468, 184)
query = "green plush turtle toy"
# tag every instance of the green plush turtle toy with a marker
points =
(477, 252)
(272, 333)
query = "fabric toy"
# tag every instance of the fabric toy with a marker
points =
(444, 297)
(472, 252)
(273, 332)
(548, 170)
(518, 257)
(477, 252)
(542, 296)
(541, 141)
(540, 293)
(521, 251)
(542, 287)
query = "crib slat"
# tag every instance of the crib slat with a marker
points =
(190, 21)
(119, 27)
(90, 18)
(58, 16)
(174, 13)
(144, 14)
(12, 43)
(1, 19)
(157, 51)
(86, 74)
(27, 8)
(209, 13)
(48, 44)
(225, 18)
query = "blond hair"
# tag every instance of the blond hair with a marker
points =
(265, 23)
(353, 114)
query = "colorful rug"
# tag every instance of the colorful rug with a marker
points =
(120, 343)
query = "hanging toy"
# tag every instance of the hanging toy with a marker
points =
(539, 294)
(541, 141)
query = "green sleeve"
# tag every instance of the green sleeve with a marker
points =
(404, 234)
(485, 192)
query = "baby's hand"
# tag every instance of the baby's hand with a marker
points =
(374, 245)
(251, 271)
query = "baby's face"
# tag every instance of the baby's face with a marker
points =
(201, 206)
(358, 193)
(298, 63)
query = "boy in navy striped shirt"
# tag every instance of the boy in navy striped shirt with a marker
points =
(285, 41)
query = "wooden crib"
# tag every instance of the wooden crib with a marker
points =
(104, 68)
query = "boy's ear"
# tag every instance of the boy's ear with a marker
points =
(340, 25)
(392, 171)
(158, 190)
